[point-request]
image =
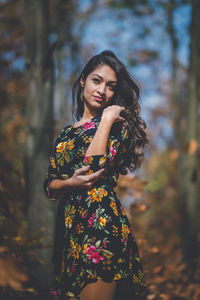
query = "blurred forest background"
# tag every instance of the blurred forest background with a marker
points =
(44, 45)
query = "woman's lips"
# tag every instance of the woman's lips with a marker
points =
(98, 99)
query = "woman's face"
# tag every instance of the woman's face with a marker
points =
(99, 87)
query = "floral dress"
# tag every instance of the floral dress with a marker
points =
(98, 240)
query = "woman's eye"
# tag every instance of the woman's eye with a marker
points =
(96, 80)
(111, 87)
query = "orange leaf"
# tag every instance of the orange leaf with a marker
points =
(193, 145)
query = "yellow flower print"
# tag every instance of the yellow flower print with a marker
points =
(85, 247)
(97, 194)
(60, 161)
(69, 294)
(75, 253)
(89, 172)
(76, 248)
(110, 143)
(65, 176)
(102, 221)
(138, 258)
(79, 228)
(87, 139)
(116, 212)
(140, 274)
(60, 147)
(125, 231)
(97, 198)
(91, 276)
(102, 160)
(135, 279)
(117, 276)
(112, 204)
(68, 221)
(114, 207)
(92, 191)
(88, 159)
(71, 209)
(102, 192)
(69, 213)
(52, 161)
(67, 157)
(108, 255)
(83, 213)
(115, 230)
(70, 144)
(72, 244)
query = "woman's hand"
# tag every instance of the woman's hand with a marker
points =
(78, 180)
(112, 113)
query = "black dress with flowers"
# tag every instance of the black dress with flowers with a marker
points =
(98, 240)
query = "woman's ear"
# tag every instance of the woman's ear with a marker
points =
(82, 82)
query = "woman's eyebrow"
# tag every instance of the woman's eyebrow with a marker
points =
(102, 78)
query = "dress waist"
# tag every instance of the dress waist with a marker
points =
(101, 184)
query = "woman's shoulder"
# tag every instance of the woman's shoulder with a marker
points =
(64, 132)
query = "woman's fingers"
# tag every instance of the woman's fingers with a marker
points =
(119, 119)
(81, 180)
(92, 178)
(113, 112)
(82, 170)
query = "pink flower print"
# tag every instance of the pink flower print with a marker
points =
(86, 159)
(90, 222)
(95, 257)
(90, 249)
(53, 293)
(84, 215)
(112, 152)
(89, 125)
(94, 215)
(122, 240)
(104, 244)
(73, 268)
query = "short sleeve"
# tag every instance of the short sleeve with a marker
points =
(115, 145)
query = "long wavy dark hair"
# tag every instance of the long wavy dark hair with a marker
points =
(127, 94)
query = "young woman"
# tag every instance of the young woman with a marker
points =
(100, 259)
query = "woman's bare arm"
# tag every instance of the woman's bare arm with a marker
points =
(98, 144)
(100, 139)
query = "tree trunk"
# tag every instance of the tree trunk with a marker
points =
(188, 160)
(39, 122)
(177, 106)
(64, 17)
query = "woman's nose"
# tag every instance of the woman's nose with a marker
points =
(102, 88)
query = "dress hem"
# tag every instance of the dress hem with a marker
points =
(137, 290)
